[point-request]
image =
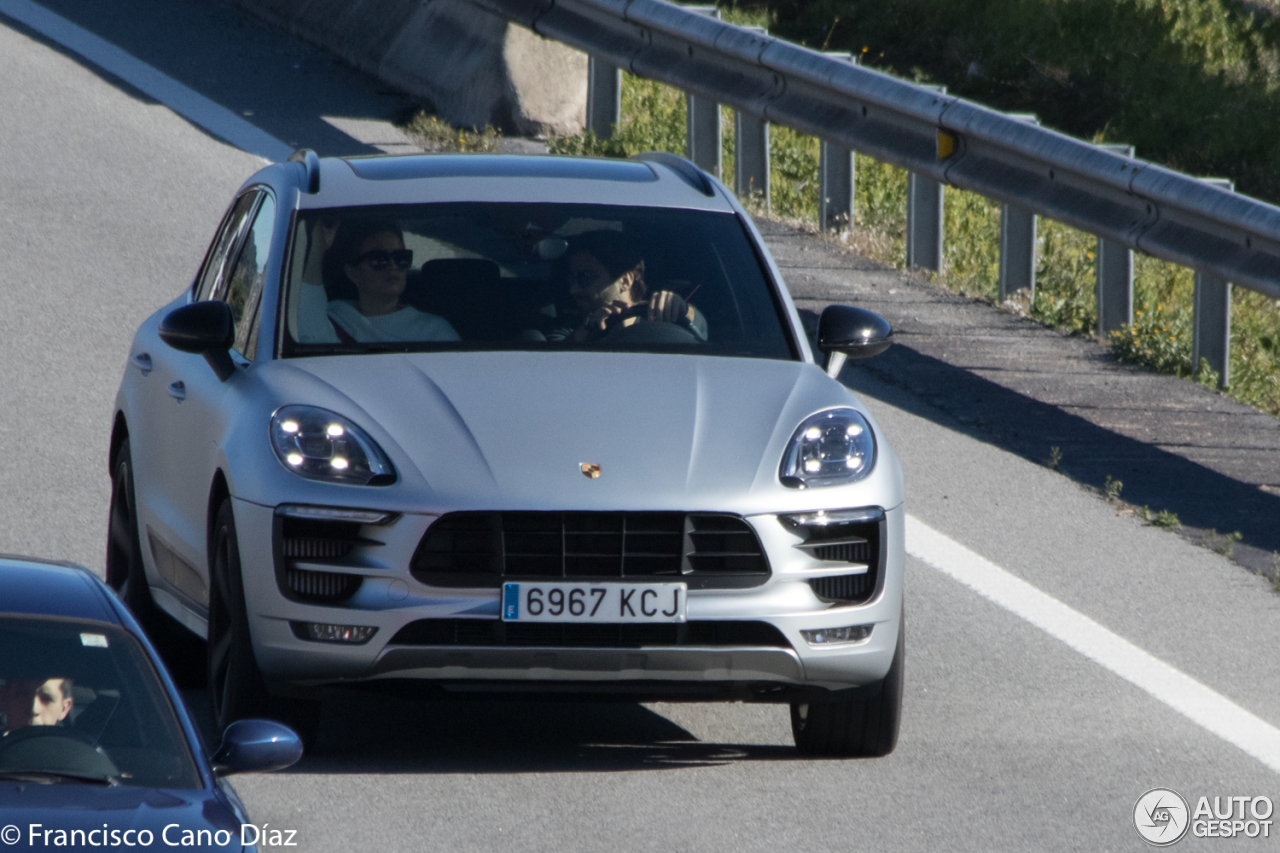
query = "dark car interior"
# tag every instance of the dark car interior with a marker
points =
(498, 274)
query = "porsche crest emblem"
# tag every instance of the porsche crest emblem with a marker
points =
(590, 470)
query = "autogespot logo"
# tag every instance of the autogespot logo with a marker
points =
(1161, 817)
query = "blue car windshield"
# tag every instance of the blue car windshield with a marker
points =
(495, 276)
(80, 703)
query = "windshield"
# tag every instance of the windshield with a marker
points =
(499, 276)
(80, 702)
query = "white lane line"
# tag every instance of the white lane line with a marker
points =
(186, 102)
(1203, 706)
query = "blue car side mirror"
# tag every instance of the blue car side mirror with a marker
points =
(256, 746)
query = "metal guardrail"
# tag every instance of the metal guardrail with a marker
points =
(1125, 201)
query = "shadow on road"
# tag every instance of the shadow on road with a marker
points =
(960, 400)
(280, 84)
(375, 733)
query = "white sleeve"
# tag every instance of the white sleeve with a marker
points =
(442, 330)
(313, 316)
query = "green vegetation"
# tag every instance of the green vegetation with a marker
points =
(1112, 488)
(432, 134)
(1190, 83)
(1162, 519)
(1222, 543)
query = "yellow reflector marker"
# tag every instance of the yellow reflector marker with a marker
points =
(946, 145)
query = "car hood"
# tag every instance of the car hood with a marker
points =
(492, 430)
(85, 807)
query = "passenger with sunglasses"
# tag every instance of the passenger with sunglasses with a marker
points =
(366, 259)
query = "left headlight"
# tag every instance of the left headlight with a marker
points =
(831, 448)
(321, 445)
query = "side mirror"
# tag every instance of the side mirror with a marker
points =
(256, 746)
(848, 332)
(204, 328)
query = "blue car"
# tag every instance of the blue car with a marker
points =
(96, 747)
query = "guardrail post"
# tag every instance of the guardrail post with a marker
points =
(1017, 251)
(924, 222)
(1114, 276)
(924, 218)
(1211, 316)
(835, 178)
(604, 97)
(751, 157)
(751, 151)
(703, 135)
(1017, 242)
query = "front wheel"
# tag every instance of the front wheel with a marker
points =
(236, 688)
(866, 724)
(124, 549)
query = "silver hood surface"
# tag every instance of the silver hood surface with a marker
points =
(512, 429)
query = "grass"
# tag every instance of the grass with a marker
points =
(432, 134)
(1191, 83)
(1111, 489)
(1163, 519)
(1222, 543)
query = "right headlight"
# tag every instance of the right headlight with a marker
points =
(321, 445)
(831, 448)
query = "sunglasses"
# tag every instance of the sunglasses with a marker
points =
(380, 259)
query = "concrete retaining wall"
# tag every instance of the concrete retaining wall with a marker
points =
(476, 68)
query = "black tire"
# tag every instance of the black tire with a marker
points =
(236, 687)
(864, 724)
(301, 715)
(125, 573)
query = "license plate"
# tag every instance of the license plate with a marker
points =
(593, 602)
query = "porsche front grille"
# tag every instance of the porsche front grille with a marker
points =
(484, 548)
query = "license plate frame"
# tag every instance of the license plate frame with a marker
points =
(602, 602)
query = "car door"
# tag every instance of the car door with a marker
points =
(189, 418)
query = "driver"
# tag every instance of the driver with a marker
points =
(35, 703)
(606, 281)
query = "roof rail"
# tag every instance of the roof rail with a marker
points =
(310, 162)
(688, 172)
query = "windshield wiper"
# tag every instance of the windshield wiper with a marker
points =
(48, 777)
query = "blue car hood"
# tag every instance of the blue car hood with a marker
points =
(82, 807)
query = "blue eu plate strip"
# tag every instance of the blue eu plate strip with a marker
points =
(511, 601)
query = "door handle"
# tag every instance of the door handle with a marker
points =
(142, 361)
(178, 391)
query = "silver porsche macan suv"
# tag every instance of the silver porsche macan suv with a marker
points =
(516, 424)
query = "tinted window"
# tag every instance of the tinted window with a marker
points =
(244, 287)
(223, 243)
(82, 700)
(529, 276)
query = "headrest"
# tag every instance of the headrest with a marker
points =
(443, 271)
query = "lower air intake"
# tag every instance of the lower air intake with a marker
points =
(322, 587)
(490, 632)
(846, 589)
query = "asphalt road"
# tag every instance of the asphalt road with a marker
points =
(1011, 738)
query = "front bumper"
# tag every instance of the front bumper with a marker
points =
(390, 598)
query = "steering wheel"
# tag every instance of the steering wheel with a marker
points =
(54, 749)
(646, 331)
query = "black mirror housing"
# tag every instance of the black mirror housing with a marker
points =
(257, 746)
(204, 328)
(854, 332)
